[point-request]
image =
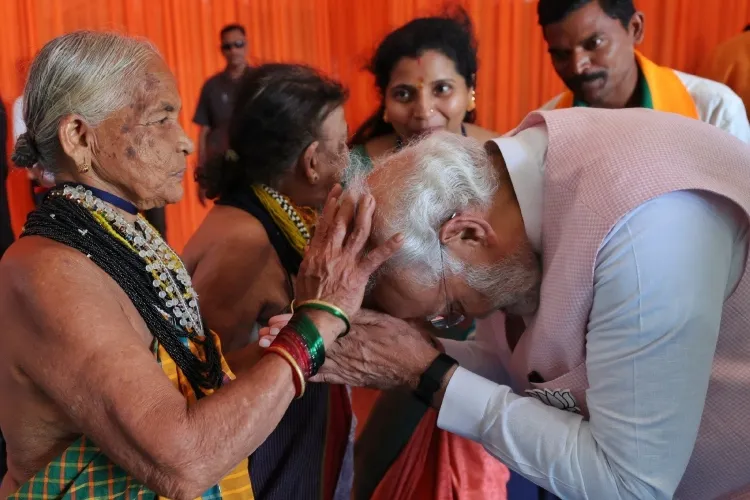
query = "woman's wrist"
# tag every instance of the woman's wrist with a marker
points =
(329, 326)
(300, 344)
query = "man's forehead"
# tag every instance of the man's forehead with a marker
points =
(232, 35)
(581, 24)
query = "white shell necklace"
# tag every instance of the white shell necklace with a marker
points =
(169, 274)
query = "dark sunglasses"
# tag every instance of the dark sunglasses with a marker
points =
(238, 44)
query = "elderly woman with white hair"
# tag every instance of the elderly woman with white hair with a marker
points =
(113, 385)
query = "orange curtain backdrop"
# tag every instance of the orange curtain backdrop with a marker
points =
(336, 36)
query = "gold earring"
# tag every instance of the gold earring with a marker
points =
(84, 166)
(385, 116)
(473, 102)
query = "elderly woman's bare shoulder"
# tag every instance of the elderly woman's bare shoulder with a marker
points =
(43, 280)
(34, 257)
(480, 134)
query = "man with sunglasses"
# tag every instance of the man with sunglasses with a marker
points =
(218, 94)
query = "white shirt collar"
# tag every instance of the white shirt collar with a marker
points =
(525, 157)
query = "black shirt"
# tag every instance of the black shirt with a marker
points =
(215, 108)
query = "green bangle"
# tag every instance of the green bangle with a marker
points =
(330, 309)
(309, 333)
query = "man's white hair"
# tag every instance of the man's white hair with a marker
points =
(427, 182)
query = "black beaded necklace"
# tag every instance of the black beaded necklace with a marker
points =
(68, 222)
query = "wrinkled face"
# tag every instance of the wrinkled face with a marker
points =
(426, 94)
(398, 293)
(234, 47)
(593, 53)
(141, 149)
(332, 154)
(498, 271)
(508, 283)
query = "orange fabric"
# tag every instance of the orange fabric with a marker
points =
(667, 90)
(730, 65)
(438, 465)
(337, 36)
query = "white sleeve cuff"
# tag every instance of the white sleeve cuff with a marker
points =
(466, 399)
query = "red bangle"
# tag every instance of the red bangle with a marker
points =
(289, 338)
(297, 376)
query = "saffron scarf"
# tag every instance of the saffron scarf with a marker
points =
(662, 90)
(442, 466)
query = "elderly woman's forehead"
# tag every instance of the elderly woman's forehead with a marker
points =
(156, 83)
(157, 77)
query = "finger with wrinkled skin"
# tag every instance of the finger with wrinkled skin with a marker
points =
(327, 217)
(360, 232)
(342, 222)
(375, 258)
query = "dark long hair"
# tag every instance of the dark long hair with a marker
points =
(278, 113)
(451, 34)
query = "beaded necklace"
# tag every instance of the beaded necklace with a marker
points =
(71, 216)
(296, 223)
(169, 274)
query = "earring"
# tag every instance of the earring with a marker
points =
(84, 166)
(385, 116)
(432, 111)
(315, 177)
(473, 102)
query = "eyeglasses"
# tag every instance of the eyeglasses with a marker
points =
(451, 317)
(238, 44)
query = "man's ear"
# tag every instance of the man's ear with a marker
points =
(637, 27)
(466, 228)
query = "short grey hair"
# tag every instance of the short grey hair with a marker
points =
(429, 181)
(85, 73)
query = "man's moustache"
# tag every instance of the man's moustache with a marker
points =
(577, 81)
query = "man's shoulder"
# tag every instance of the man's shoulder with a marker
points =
(710, 97)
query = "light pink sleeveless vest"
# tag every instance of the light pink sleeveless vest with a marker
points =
(600, 166)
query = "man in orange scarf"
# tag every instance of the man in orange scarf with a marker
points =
(730, 64)
(592, 45)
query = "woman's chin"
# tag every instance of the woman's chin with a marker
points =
(174, 194)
